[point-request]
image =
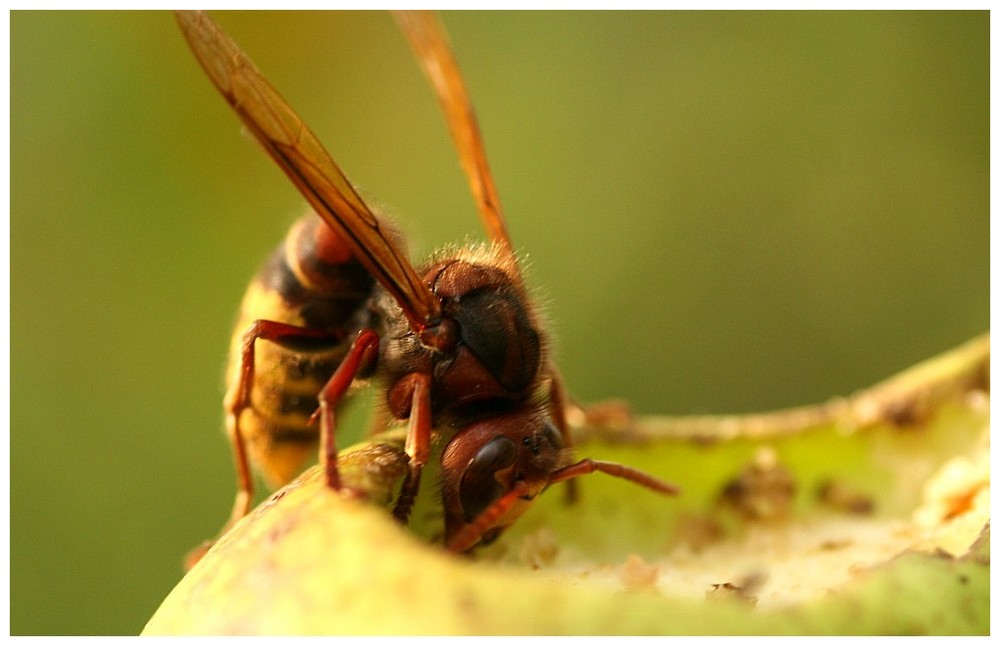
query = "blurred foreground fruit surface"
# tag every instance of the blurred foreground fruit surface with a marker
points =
(871, 519)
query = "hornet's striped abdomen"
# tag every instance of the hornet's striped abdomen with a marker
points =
(311, 282)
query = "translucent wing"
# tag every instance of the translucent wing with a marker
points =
(302, 157)
(429, 43)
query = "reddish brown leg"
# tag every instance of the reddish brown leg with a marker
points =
(363, 351)
(238, 399)
(418, 443)
(560, 403)
(470, 534)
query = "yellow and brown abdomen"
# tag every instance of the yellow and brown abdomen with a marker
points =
(313, 284)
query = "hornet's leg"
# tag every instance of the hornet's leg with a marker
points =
(239, 399)
(361, 354)
(418, 443)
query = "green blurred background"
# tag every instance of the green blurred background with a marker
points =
(724, 212)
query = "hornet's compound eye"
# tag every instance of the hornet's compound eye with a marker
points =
(480, 487)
